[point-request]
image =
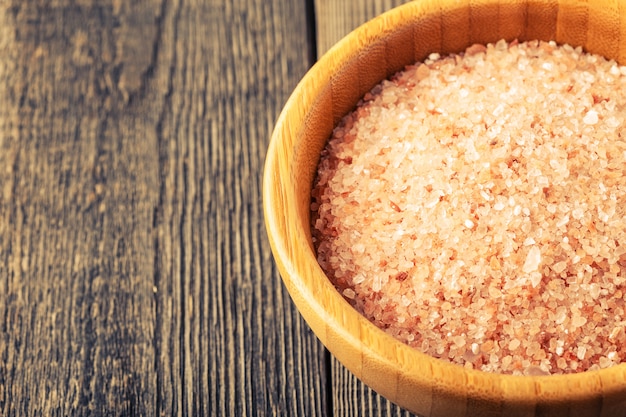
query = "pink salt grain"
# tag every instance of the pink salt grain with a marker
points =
(474, 207)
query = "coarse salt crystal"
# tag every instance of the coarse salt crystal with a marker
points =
(578, 321)
(359, 248)
(533, 259)
(434, 56)
(559, 267)
(377, 284)
(615, 333)
(615, 70)
(349, 293)
(578, 213)
(358, 279)
(514, 344)
(604, 362)
(452, 260)
(459, 341)
(535, 278)
(594, 290)
(613, 122)
(563, 221)
(591, 117)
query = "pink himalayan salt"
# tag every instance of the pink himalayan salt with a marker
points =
(473, 206)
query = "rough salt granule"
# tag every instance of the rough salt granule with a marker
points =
(533, 259)
(474, 207)
(591, 118)
(578, 321)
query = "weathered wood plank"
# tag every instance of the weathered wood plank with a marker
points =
(335, 19)
(76, 304)
(242, 347)
(135, 276)
(352, 398)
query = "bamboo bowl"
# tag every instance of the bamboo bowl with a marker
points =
(373, 52)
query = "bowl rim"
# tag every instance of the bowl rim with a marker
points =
(305, 280)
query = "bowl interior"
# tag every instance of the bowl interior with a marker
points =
(331, 89)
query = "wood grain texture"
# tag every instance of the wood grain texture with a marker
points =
(336, 18)
(135, 276)
(239, 340)
(352, 398)
(76, 303)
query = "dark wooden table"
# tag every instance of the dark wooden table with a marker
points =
(135, 272)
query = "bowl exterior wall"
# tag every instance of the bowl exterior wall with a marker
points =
(371, 53)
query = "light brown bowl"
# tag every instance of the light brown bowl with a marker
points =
(373, 52)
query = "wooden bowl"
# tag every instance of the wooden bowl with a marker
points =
(373, 52)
